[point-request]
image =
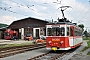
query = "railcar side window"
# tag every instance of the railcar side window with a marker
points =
(62, 31)
(49, 33)
(78, 32)
(68, 31)
(71, 32)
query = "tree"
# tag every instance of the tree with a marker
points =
(3, 25)
(86, 33)
(81, 26)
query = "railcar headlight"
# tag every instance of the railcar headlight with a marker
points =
(49, 42)
(61, 42)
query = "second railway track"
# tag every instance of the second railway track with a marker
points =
(16, 50)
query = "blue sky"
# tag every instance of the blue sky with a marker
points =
(11, 10)
(82, 1)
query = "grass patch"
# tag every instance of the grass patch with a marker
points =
(88, 43)
(88, 53)
(85, 48)
(89, 47)
(86, 38)
(13, 45)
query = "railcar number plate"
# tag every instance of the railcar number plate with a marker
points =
(54, 48)
(55, 39)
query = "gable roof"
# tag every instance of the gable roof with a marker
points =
(29, 18)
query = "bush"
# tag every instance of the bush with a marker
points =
(88, 43)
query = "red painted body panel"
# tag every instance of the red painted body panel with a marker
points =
(71, 39)
(56, 42)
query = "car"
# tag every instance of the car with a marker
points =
(43, 37)
(28, 37)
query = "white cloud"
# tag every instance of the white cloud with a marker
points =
(48, 10)
(7, 19)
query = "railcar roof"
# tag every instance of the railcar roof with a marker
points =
(68, 23)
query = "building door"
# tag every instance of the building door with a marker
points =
(36, 32)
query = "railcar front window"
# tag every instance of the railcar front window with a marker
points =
(62, 31)
(55, 31)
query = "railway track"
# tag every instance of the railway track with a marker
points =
(16, 50)
(53, 55)
(49, 56)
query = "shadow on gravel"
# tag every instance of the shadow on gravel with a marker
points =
(60, 51)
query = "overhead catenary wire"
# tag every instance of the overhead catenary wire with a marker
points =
(82, 11)
(85, 14)
(79, 14)
(62, 5)
(7, 9)
(58, 2)
(55, 2)
(26, 6)
(19, 4)
(23, 5)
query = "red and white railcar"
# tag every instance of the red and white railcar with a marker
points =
(63, 36)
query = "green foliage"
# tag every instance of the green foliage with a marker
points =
(81, 26)
(86, 34)
(89, 47)
(88, 43)
(88, 53)
(3, 25)
(12, 45)
(85, 48)
(86, 38)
